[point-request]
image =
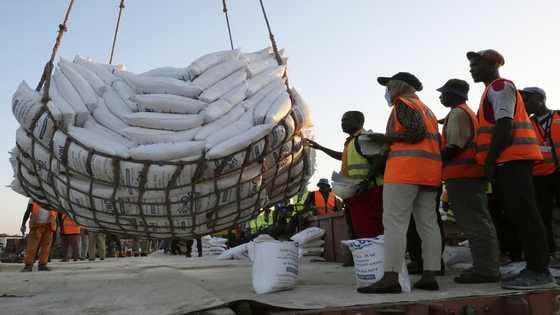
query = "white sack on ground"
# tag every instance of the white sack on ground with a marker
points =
(308, 235)
(368, 262)
(167, 103)
(275, 266)
(164, 121)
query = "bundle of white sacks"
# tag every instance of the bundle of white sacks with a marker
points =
(213, 246)
(172, 152)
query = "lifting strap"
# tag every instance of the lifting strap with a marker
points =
(227, 23)
(271, 36)
(121, 8)
(47, 71)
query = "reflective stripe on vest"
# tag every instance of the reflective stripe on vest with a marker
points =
(322, 207)
(356, 164)
(36, 212)
(524, 145)
(464, 164)
(69, 226)
(414, 163)
(548, 165)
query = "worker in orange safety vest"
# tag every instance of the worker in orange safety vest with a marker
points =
(507, 147)
(42, 226)
(546, 176)
(70, 232)
(323, 201)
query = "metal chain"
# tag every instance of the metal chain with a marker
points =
(121, 8)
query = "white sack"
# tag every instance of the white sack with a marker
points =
(237, 94)
(302, 111)
(224, 86)
(216, 110)
(311, 251)
(239, 142)
(97, 142)
(276, 266)
(218, 73)
(72, 97)
(216, 125)
(266, 103)
(171, 72)
(44, 129)
(261, 65)
(368, 262)
(68, 113)
(254, 100)
(209, 60)
(308, 235)
(167, 103)
(240, 252)
(244, 123)
(107, 76)
(279, 109)
(105, 132)
(107, 119)
(312, 244)
(26, 105)
(160, 85)
(164, 121)
(257, 55)
(94, 81)
(151, 136)
(86, 92)
(168, 151)
(125, 92)
(264, 78)
(115, 104)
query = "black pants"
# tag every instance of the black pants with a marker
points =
(513, 186)
(413, 241)
(509, 242)
(547, 191)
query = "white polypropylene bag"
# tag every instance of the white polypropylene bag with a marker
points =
(244, 123)
(172, 72)
(310, 234)
(167, 103)
(312, 244)
(26, 105)
(164, 121)
(98, 142)
(240, 252)
(264, 78)
(224, 86)
(99, 129)
(216, 110)
(86, 92)
(239, 142)
(68, 113)
(107, 76)
(115, 104)
(151, 136)
(209, 60)
(279, 109)
(266, 103)
(96, 83)
(72, 97)
(168, 151)
(368, 262)
(160, 85)
(218, 73)
(104, 116)
(125, 92)
(276, 266)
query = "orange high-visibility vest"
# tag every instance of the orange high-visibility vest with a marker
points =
(35, 213)
(463, 165)
(549, 142)
(69, 226)
(415, 163)
(325, 207)
(524, 146)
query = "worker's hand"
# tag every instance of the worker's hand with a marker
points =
(312, 144)
(489, 171)
(23, 229)
(363, 187)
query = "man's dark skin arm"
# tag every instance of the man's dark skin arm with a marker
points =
(450, 152)
(501, 139)
(26, 217)
(332, 153)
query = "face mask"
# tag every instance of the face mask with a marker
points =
(388, 97)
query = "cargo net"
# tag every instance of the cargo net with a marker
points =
(172, 152)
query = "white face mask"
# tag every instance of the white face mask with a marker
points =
(388, 97)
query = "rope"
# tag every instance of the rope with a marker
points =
(271, 36)
(121, 8)
(47, 71)
(228, 25)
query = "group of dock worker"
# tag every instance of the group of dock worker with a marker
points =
(499, 148)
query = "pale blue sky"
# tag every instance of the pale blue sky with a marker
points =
(336, 50)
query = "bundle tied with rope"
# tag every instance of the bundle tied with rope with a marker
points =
(171, 152)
